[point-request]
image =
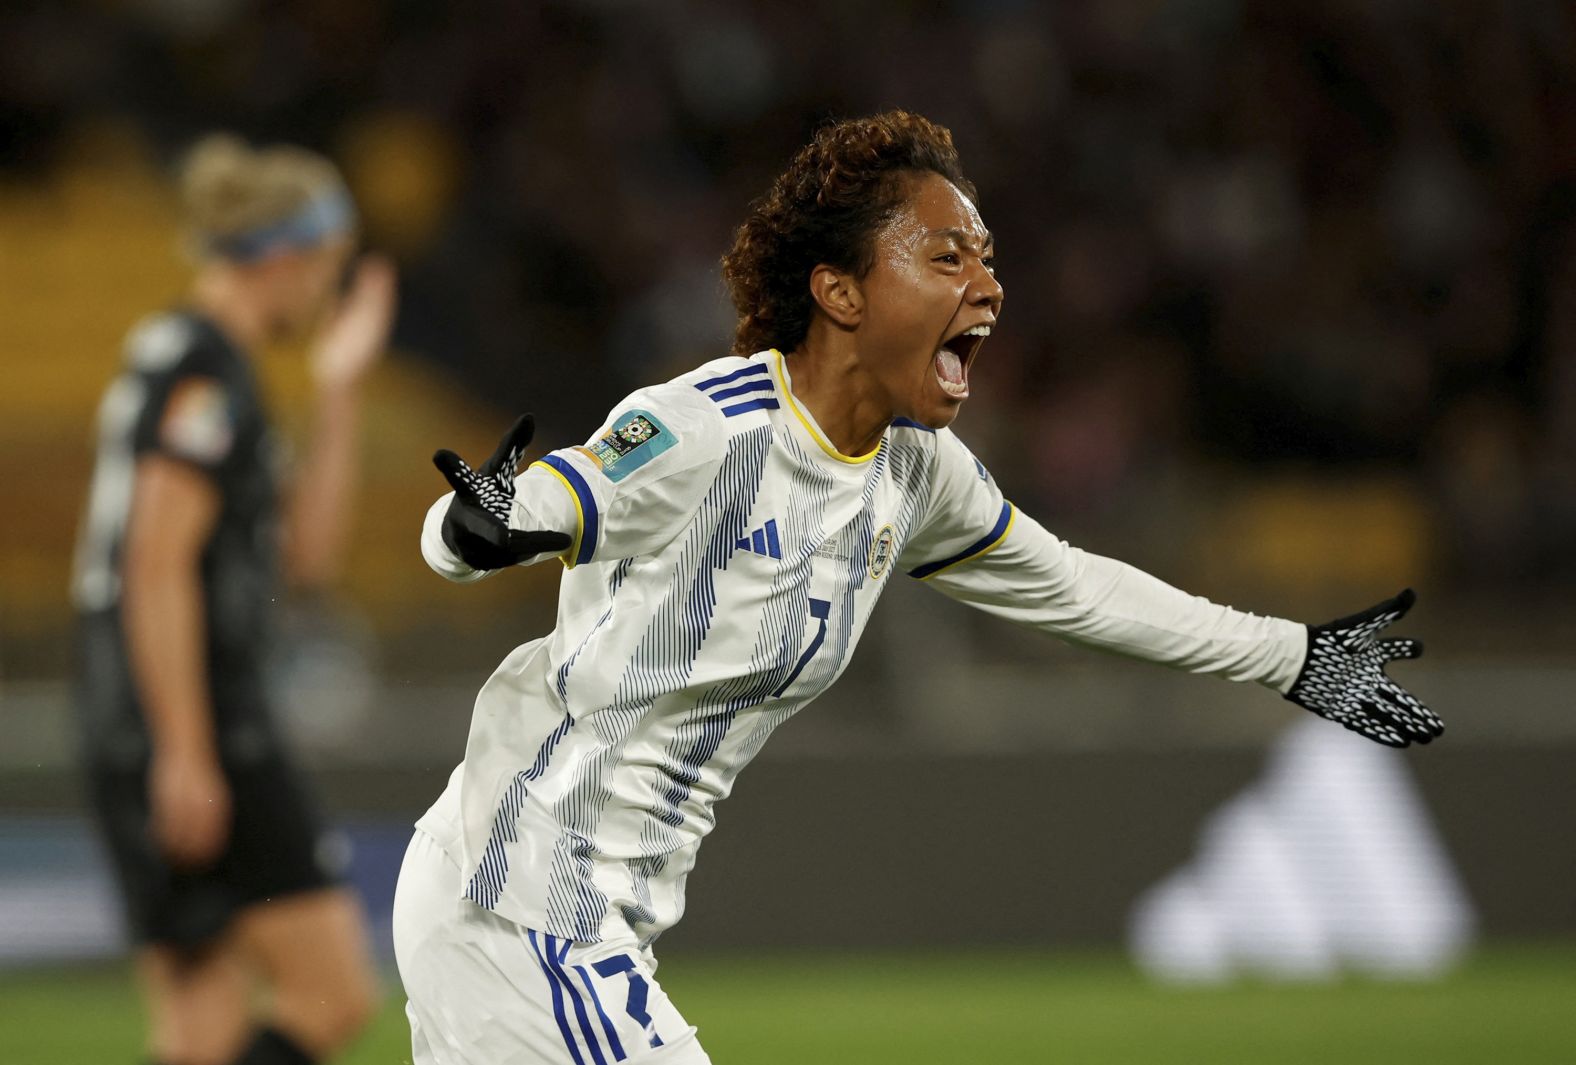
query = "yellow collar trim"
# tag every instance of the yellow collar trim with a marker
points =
(809, 426)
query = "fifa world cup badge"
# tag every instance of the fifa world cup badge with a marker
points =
(637, 431)
(636, 438)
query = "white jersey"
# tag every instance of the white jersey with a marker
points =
(726, 558)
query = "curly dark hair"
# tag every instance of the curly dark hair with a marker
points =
(827, 207)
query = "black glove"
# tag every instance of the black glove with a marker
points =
(1344, 679)
(477, 525)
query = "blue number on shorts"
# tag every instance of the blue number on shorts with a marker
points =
(638, 992)
(820, 609)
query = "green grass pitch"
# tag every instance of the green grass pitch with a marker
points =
(1507, 1005)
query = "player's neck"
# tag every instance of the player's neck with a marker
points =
(218, 294)
(845, 400)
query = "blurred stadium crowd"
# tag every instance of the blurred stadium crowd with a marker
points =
(1281, 278)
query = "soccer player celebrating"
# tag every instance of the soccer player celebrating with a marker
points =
(228, 885)
(726, 536)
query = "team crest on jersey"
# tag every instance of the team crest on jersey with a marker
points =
(882, 550)
(636, 438)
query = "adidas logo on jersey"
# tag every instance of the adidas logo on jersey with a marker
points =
(762, 541)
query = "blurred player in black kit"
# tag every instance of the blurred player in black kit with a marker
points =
(228, 885)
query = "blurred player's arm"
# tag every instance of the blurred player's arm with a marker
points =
(174, 509)
(318, 511)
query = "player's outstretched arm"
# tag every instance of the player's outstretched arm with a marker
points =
(476, 526)
(982, 551)
(1343, 678)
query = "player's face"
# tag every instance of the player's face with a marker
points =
(304, 282)
(931, 298)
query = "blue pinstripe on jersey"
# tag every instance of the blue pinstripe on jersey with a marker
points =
(660, 664)
(614, 582)
(858, 571)
(706, 730)
(810, 490)
(575, 905)
(910, 467)
(784, 627)
(641, 872)
(702, 729)
(492, 871)
(713, 709)
(820, 610)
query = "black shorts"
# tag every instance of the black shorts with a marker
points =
(275, 848)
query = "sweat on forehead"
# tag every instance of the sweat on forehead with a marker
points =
(976, 239)
(937, 210)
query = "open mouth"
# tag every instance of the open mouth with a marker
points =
(953, 358)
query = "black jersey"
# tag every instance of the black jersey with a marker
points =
(187, 393)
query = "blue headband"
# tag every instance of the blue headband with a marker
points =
(321, 217)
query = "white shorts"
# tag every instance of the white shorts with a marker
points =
(485, 991)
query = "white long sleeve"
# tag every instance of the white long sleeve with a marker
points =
(979, 549)
(1034, 579)
(444, 562)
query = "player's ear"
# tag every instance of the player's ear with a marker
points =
(838, 295)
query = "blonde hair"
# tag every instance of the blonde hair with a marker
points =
(229, 189)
